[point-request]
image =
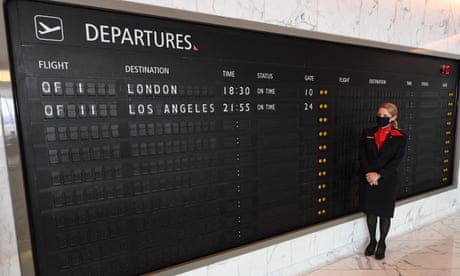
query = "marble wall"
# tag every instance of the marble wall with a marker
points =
(9, 258)
(432, 25)
(426, 24)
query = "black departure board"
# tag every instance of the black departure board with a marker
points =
(147, 142)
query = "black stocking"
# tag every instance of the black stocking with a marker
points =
(372, 226)
(384, 228)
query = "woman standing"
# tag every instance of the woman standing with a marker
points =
(381, 149)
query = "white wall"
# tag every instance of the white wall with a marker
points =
(428, 24)
(425, 24)
(9, 260)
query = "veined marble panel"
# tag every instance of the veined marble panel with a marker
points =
(430, 250)
(243, 9)
(430, 24)
(292, 13)
(9, 258)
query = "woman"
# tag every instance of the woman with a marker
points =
(381, 149)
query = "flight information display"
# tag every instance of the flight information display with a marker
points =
(147, 142)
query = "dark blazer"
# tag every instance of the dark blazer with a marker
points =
(380, 200)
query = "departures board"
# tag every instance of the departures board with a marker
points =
(148, 142)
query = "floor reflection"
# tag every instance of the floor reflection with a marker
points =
(433, 250)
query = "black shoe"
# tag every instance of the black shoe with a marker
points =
(380, 253)
(370, 249)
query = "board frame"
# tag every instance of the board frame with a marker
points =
(12, 142)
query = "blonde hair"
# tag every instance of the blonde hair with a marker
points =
(393, 110)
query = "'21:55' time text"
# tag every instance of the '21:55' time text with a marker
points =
(236, 107)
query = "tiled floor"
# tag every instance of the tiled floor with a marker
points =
(433, 250)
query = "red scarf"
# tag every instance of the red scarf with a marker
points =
(381, 134)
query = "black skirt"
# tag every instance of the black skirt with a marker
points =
(379, 200)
